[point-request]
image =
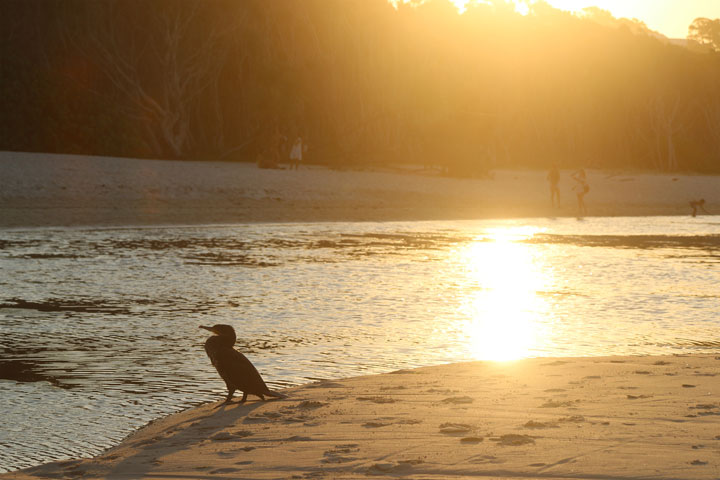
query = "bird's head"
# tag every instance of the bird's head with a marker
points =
(221, 330)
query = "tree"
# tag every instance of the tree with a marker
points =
(705, 32)
(158, 64)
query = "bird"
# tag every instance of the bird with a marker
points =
(234, 367)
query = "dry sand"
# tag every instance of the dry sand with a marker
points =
(63, 190)
(601, 418)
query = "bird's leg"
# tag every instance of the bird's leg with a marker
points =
(244, 398)
(262, 397)
(231, 392)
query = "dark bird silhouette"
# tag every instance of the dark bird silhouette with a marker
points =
(233, 366)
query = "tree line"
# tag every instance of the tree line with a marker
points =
(362, 81)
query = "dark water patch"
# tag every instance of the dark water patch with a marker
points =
(24, 371)
(11, 244)
(47, 256)
(174, 244)
(645, 242)
(220, 259)
(708, 258)
(60, 305)
(423, 241)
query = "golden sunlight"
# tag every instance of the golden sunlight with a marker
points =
(503, 308)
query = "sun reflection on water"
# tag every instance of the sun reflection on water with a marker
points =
(503, 308)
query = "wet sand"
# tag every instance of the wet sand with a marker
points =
(66, 190)
(611, 418)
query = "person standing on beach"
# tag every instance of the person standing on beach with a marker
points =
(553, 177)
(581, 188)
(695, 204)
(296, 154)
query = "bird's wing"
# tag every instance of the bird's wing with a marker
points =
(237, 370)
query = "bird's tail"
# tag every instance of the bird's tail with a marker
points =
(272, 393)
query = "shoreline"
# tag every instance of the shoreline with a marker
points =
(586, 417)
(67, 190)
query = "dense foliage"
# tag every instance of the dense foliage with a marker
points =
(361, 80)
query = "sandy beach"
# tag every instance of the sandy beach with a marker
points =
(602, 418)
(610, 418)
(68, 190)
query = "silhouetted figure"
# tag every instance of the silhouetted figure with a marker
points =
(695, 204)
(296, 153)
(233, 366)
(553, 177)
(581, 188)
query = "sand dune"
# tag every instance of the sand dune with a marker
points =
(60, 190)
(614, 417)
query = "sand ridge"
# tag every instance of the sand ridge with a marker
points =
(611, 417)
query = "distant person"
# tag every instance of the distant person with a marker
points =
(553, 177)
(581, 188)
(695, 204)
(296, 153)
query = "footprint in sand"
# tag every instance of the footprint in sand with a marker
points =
(513, 440)
(483, 459)
(296, 438)
(310, 404)
(271, 414)
(687, 385)
(340, 454)
(555, 363)
(375, 424)
(445, 391)
(557, 404)
(637, 397)
(534, 424)
(458, 400)
(698, 462)
(573, 419)
(343, 449)
(334, 458)
(471, 439)
(255, 419)
(376, 399)
(450, 428)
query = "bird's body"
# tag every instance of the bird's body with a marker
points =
(234, 367)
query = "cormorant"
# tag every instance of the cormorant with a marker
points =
(233, 366)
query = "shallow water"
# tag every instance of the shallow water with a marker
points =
(100, 326)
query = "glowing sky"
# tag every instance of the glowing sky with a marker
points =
(669, 17)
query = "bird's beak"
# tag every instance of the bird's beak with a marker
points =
(209, 329)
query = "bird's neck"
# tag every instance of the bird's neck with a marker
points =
(228, 340)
